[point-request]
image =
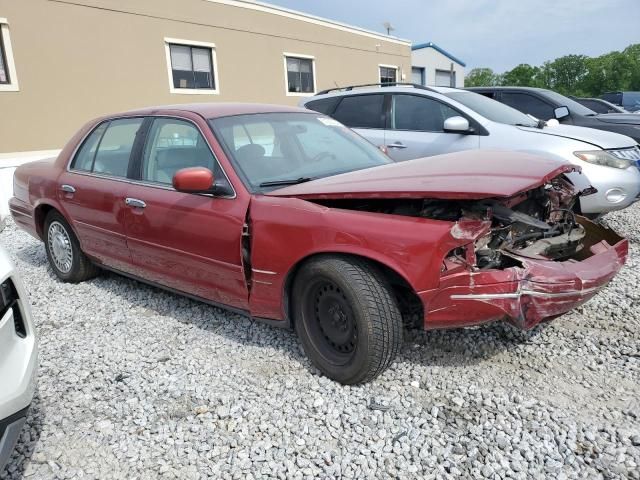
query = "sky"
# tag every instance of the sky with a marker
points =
(498, 34)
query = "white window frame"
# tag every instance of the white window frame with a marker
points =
(13, 85)
(214, 64)
(394, 67)
(285, 55)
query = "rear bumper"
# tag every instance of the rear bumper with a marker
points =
(24, 216)
(10, 429)
(526, 295)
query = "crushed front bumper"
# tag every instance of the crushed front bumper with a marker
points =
(528, 294)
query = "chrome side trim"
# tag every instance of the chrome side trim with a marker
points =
(520, 293)
(266, 272)
(141, 182)
(13, 211)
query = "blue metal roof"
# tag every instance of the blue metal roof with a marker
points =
(420, 46)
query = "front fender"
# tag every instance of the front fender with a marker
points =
(286, 231)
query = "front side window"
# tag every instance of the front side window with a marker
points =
(107, 149)
(273, 149)
(388, 74)
(361, 111)
(528, 104)
(171, 145)
(192, 67)
(300, 75)
(412, 112)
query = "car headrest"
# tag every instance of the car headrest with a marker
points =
(252, 151)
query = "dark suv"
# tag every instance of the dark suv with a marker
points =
(630, 101)
(546, 104)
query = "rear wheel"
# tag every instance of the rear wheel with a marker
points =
(68, 262)
(347, 318)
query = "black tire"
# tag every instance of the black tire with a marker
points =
(80, 267)
(347, 318)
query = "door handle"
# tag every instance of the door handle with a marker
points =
(397, 145)
(134, 202)
(68, 188)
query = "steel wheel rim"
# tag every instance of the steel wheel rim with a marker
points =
(332, 322)
(60, 247)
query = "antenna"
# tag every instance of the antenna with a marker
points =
(390, 28)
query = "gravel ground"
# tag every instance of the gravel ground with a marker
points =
(135, 382)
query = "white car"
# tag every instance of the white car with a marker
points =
(18, 357)
(412, 121)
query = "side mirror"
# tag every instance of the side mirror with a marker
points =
(193, 180)
(561, 112)
(456, 125)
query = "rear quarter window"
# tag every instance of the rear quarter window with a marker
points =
(326, 105)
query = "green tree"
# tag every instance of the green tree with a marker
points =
(480, 77)
(524, 75)
(567, 73)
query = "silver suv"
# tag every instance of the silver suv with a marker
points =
(411, 121)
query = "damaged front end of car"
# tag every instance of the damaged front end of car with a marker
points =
(526, 258)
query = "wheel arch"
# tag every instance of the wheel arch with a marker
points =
(408, 300)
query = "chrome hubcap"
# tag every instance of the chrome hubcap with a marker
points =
(60, 247)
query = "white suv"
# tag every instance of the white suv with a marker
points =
(412, 121)
(18, 357)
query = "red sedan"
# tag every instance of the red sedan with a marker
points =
(289, 217)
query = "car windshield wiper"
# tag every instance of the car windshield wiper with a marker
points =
(288, 181)
(525, 125)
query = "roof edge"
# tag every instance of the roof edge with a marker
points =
(420, 46)
(305, 17)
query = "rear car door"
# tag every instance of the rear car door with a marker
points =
(365, 114)
(417, 128)
(188, 242)
(92, 190)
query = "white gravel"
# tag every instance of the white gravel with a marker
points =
(135, 382)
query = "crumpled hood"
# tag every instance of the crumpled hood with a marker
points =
(599, 138)
(619, 118)
(471, 175)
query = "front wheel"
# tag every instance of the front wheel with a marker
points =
(68, 262)
(347, 318)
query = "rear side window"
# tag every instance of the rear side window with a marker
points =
(84, 157)
(108, 148)
(361, 111)
(528, 104)
(326, 105)
(411, 112)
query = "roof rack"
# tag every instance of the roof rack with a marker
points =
(386, 84)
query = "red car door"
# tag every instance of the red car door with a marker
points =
(188, 242)
(92, 191)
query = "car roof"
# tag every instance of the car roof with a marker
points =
(378, 89)
(217, 110)
(532, 89)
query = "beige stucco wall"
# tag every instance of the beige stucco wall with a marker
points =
(77, 59)
(431, 60)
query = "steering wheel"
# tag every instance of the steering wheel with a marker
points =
(322, 155)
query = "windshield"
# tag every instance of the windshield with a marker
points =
(572, 105)
(274, 149)
(492, 109)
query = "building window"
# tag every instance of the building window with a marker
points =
(388, 74)
(300, 74)
(8, 77)
(192, 66)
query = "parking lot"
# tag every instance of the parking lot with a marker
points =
(135, 382)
